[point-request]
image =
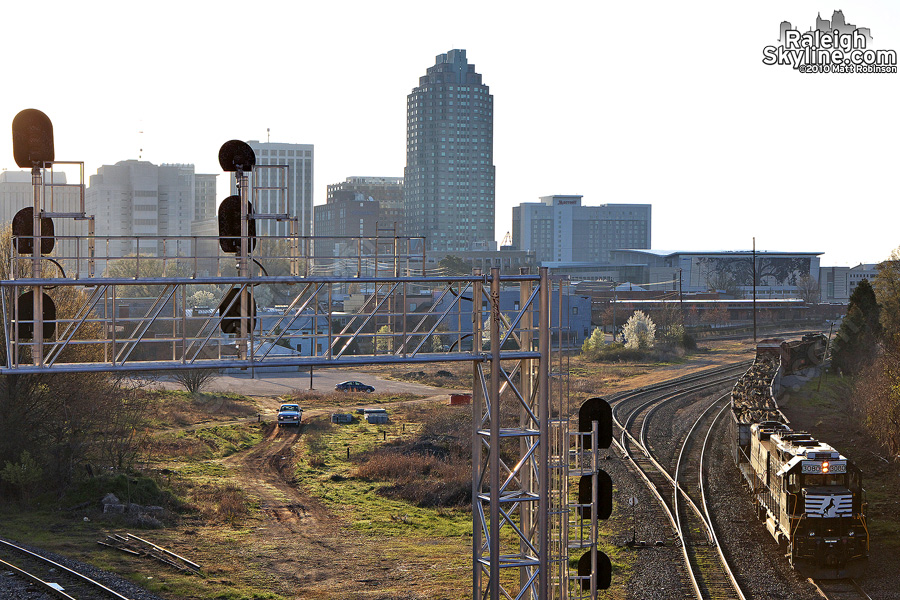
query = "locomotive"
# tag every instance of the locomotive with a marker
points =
(809, 495)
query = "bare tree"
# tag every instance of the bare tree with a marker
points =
(887, 292)
(194, 380)
(877, 399)
(808, 289)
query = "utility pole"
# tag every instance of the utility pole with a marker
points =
(754, 289)
(614, 312)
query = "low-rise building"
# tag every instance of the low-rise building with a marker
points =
(778, 274)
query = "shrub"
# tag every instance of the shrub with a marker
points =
(23, 475)
(639, 331)
(594, 342)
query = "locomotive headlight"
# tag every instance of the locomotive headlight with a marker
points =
(825, 467)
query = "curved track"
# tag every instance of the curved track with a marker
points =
(705, 573)
(52, 577)
(840, 589)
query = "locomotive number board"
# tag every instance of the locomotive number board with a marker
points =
(816, 466)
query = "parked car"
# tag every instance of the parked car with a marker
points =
(290, 414)
(353, 386)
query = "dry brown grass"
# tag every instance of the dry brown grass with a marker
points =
(181, 409)
(425, 480)
(430, 469)
(220, 504)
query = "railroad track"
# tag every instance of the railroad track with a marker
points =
(839, 589)
(705, 573)
(51, 577)
(712, 573)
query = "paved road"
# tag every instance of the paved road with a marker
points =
(324, 380)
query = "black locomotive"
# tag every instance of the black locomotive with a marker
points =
(809, 495)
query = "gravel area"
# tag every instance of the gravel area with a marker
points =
(13, 588)
(752, 552)
(656, 574)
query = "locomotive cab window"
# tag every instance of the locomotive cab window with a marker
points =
(794, 483)
(817, 480)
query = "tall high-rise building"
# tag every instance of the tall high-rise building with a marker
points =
(298, 202)
(558, 229)
(135, 198)
(449, 177)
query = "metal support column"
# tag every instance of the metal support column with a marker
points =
(37, 332)
(478, 401)
(544, 450)
(494, 396)
(244, 261)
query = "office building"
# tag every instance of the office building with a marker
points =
(16, 193)
(449, 175)
(834, 284)
(560, 230)
(283, 184)
(867, 271)
(728, 272)
(387, 191)
(138, 205)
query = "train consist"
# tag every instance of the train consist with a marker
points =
(809, 495)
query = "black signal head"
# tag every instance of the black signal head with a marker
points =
(32, 139)
(235, 155)
(26, 316)
(230, 225)
(23, 232)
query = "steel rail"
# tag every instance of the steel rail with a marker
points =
(81, 577)
(854, 593)
(46, 587)
(676, 490)
(626, 435)
(712, 527)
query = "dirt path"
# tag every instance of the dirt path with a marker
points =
(308, 551)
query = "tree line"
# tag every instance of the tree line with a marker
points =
(57, 428)
(867, 347)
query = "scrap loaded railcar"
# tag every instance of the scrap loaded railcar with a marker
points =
(809, 495)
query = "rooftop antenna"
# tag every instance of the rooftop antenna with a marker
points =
(140, 139)
(268, 135)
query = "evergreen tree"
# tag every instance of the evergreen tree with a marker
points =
(856, 341)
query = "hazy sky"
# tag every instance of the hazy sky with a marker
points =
(666, 103)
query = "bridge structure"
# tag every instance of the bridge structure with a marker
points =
(282, 302)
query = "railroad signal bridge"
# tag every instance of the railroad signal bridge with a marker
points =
(229, 301)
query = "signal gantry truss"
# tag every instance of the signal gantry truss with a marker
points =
(237, 301)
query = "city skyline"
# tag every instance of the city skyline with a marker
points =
(677, 111)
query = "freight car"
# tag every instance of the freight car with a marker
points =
(809, 495)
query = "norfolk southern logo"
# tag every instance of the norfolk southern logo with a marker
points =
(834, 46)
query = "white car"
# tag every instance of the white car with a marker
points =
(290, 414)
